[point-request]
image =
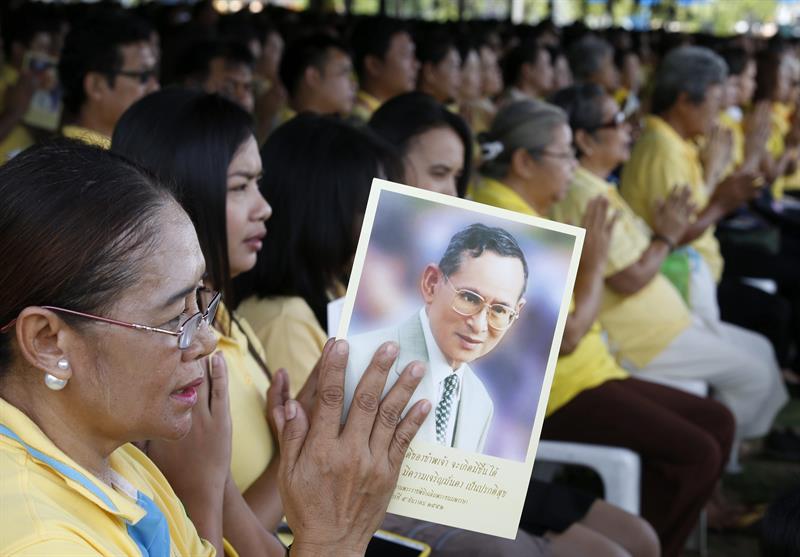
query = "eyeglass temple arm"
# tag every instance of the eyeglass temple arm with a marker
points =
(112, 321)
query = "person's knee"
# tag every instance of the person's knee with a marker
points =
(642, 540)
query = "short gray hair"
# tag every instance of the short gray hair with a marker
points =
(687, 69)
(586, 56)
(527, 124)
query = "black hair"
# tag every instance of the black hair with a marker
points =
(433, 46)
(736, 58)
(310, 51)
(404, 117)
(73, 223)
(373, 37)
(25, 23)
(586, 56)
(476, 239)
(195, 63)
(93, 45)
(188, 139)
(583, 106)
(768, 74)
(465, 45)
(780, 536)
(318, 176)
(524, 53)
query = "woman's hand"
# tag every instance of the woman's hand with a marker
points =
(198, 465)
(336, 481)
(672, 216)
(597, 240)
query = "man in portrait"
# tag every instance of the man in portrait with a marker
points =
(471, 300)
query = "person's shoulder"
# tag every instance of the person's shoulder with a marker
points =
(264, 313)
(369, 341)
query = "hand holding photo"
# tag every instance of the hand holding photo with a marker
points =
(479, 295)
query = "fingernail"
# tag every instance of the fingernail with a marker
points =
(291, 409)
(341, 348)
(417, 371)
(216, 359)
(425, 407)
(390, 350)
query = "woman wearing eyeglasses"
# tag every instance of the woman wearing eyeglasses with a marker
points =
(529, 167)
(104, 341)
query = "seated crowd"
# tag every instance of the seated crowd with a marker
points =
(679, 155)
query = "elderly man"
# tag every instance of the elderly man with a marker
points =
(472, 298)
(686, 102)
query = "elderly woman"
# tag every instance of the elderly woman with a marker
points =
(104, 342)
(531, 166)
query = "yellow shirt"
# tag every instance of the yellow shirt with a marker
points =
(365, 106)
(289, 332)
(781, 114)
(728, 122)
(642, 325)
(87, 136)
(50, 505)
(252, 443)
(590, 365)
(19, 138)
(661, 160)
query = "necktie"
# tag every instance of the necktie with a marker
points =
(444, 408)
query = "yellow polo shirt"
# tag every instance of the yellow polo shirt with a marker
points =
(289, 332)
(252, 443)
(87, 136)
(639, 326)
(781, 114)
(19, 138)
(728, 122)
(591, 364)
(50, 505)
(365, 106)
(661, 160)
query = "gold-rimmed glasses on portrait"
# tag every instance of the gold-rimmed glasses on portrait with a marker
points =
(468, 303)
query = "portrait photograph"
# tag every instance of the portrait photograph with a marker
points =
(473, 296)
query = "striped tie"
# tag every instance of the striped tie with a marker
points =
(444, 407)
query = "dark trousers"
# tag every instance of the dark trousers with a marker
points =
(683, 441)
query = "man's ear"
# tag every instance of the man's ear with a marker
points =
(312, 77)
(584, 142)
(520, 305)
(95, 85)
(42, 339)
(431, 277)
(373, 65)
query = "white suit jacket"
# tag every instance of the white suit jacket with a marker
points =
(475, 409)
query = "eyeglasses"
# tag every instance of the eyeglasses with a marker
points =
(469, 303)
(142, 76)
(185, 332)
(615, 123)
(570, 155)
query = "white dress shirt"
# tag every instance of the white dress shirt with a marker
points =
(439, 370)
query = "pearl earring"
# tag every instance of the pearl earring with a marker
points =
(54, 383)
(63, 364)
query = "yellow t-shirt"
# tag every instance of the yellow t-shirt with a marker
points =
(289, 332)
(661, 160)
(781, 114)
(642, 325)
(252, 443)
(591, 364)
(87, 136)
(19, 138)
(728, 122)
(50, 505)
(364, 106)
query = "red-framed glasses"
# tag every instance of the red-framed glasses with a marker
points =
(185, 332)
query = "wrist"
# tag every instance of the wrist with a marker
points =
(301, 548)
(664, 239)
